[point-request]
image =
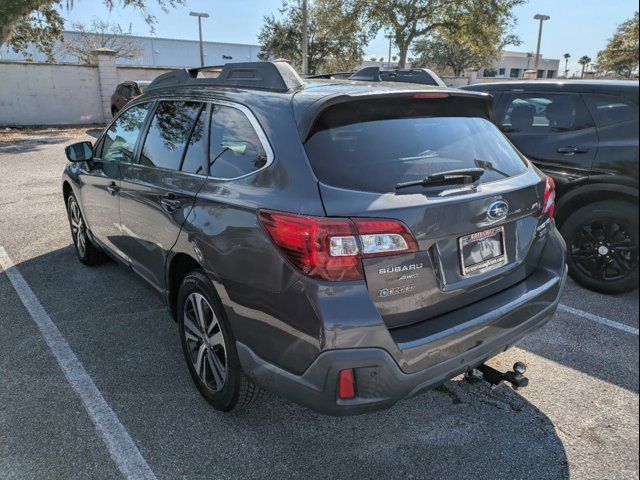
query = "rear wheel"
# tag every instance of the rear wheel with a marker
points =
(86, 250)
(114, 110)
(209, 347)
(602, 242)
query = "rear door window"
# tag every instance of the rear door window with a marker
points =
(610, 109)
(360, 147)
(236, 149)
(120, 140)
(542, 113)
(169, 133)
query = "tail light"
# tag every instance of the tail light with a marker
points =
(549, 203)
(332, 249)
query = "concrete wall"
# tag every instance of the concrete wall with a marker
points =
(55, 94)
(48, 94)
(139, 73)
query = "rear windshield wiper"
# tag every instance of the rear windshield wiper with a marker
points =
(451, 177)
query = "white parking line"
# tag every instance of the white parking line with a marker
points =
(121, 447)
(598, 319)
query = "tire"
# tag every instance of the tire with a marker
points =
(212, 359)
(602, 246)
(114, 111)
(87, 252)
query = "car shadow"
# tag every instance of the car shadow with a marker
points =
(32, 143)
(119, 330)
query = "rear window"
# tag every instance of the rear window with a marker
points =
(361, 148)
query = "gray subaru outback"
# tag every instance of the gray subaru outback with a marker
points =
(346, 245)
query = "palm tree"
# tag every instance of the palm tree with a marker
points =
(529, 57)
(584, 61)
(566, 56)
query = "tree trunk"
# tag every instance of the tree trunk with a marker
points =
(403, 50)
(584, 65)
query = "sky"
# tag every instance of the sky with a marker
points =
(578, 27)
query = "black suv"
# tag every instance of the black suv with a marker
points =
(584, 134)
(345, 245)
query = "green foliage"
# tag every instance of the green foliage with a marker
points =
(40, 23)
(337, 35)
(620, 56)
(474, 38)
(440, 21)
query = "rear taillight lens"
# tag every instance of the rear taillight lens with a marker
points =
(332, 248)
(549, 203)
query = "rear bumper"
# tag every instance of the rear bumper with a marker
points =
(379, 379)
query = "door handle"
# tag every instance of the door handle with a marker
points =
(572, 150)
(170, 203)
(113, 188)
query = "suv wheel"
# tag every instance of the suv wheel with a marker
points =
(602, 241)
(86, 250)
(209, 346)
(114, 111)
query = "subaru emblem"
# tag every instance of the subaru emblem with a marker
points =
(498, 210)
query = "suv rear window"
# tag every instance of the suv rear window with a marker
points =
(360, 148)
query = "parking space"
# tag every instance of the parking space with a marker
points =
(578, 418)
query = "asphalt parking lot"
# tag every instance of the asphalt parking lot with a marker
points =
(577, 419)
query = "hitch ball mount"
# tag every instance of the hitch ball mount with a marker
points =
(495, 378)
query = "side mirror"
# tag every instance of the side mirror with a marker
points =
(79, 152)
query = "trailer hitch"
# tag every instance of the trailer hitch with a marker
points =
(494, 377)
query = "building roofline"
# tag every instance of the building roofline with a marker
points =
(143, 37)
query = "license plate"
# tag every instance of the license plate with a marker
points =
(482, 251)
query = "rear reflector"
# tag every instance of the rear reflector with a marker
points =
(346, 385)
(549, 202)
(332, 249)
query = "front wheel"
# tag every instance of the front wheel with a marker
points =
(85, 249)
(602, 241)
(209, 347)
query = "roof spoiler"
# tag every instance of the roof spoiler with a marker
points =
(271, 76)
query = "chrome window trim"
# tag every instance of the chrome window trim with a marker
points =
(247, 113)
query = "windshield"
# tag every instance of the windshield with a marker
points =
(375, 155)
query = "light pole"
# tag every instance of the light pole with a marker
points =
(305, 38)
(200, 17)
(542, 18)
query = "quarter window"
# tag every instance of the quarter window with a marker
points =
(169, 133)
(120, 140)
(609, 110)
(545, 113)
(235, 147)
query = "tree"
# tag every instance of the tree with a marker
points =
(337, 35)
(566, 56)
(474, 39)
(620, 56)
(100, 35)
(40, 22)
(409, 20)
(584, 61)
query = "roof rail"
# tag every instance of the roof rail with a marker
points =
(272, 76)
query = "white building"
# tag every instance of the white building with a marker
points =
(161, 52)
(514, 64)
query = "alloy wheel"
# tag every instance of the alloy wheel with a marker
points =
(205, 341)
(604, 250)
(78, 230)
